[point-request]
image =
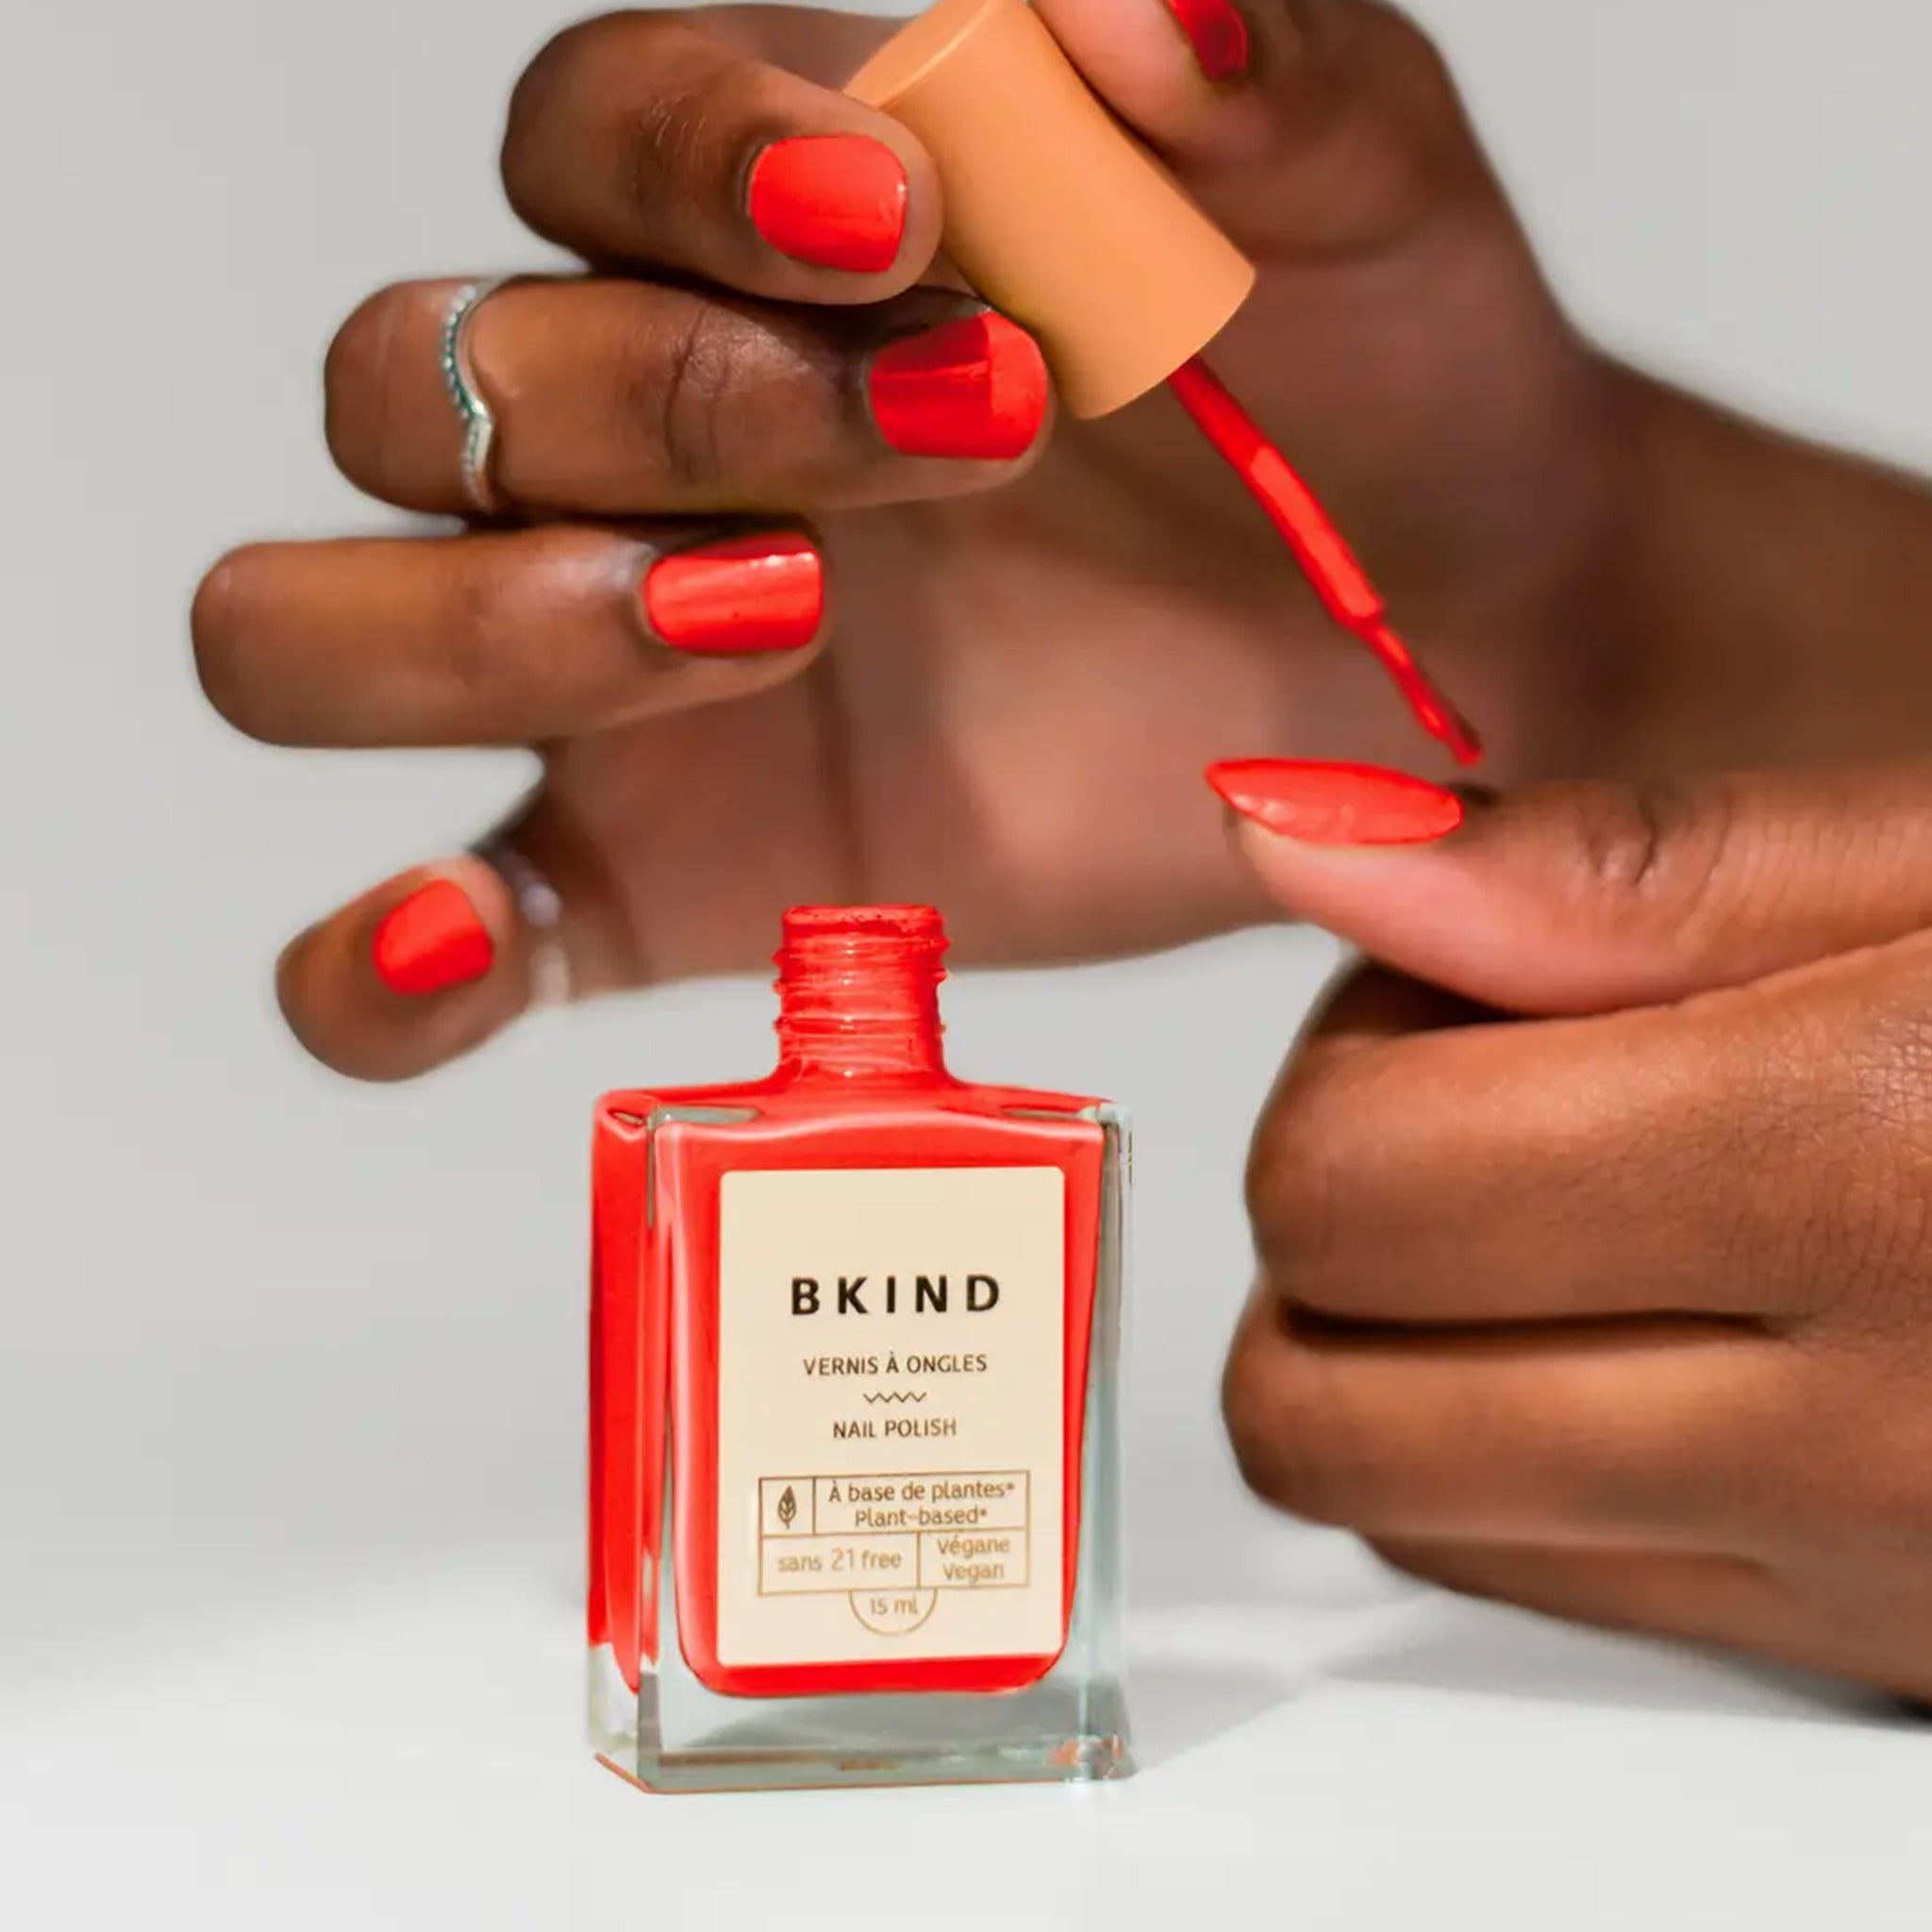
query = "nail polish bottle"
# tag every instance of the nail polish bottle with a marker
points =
(853, 1471)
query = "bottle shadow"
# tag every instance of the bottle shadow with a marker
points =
(1181, 1706)
(1452, 1648)
(1484, 1650)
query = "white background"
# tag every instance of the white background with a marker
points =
(289, 1376)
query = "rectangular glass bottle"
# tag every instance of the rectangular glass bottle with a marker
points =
(854, 1512)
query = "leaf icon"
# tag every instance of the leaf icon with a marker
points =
(787, 1508)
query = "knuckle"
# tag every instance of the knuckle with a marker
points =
(553, 66)
(664, 138)
(1412, 57)
(554, 79)
(1408, 76)
(1881, 1066)
(1419, 1561)
(1898, 1514)
(1891, 1030)
(484, 655)
(1871, 1146)
(221, 661)
(569, 122)
(1658, 852)
(685, 391)
(1626, 832)
(1864, 1492)
(1817, 1144)
(1250, 1413)
(355, 375)
(1296, 1165)
(1901, 1511)
(1283, 1456)
(494, 619)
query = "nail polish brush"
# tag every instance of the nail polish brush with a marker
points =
(1065, 221)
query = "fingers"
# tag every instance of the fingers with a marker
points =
(624, 399)
(423, 968)
(1562, 1171)
(1638, 1435)
(1550, 1172)
(1581, 898)
(433, 962)
(1305, 125)
(1178, 71)
(501, 638)
(683, 141)
(657, 138)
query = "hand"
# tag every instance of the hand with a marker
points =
(1619, 1310)
(1034, 643)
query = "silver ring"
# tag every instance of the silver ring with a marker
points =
(460, 378)
(539, 907)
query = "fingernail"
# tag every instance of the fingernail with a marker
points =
(1218, 34)
(832, 199)
(1337, 804)
(974, 389)
(432, 940)
(737, 599)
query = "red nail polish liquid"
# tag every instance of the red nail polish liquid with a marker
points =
(854, 1476)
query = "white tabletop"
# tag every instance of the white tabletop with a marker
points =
(404, 1753)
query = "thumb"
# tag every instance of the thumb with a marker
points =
(1572, 899)
(1303, 126)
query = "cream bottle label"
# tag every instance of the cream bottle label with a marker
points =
(891, 1388)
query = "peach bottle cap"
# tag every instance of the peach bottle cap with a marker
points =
(1054, 212)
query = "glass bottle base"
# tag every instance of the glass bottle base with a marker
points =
(1063, 1730)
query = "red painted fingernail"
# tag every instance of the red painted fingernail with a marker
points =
(1337, 804)
(832, 199)
(432, 940)
(1218, 35)
(738, 599)
(974, 389)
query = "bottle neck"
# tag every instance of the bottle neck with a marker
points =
(858, 994)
